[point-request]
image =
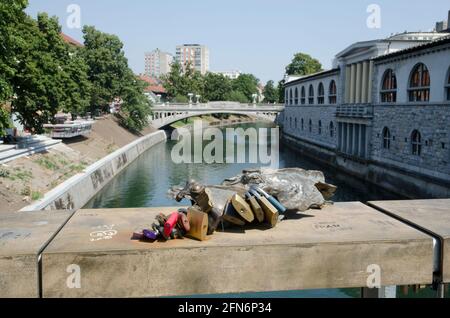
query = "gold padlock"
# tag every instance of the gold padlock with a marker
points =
(242, 207)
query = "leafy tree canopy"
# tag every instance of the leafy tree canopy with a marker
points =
(270, 93)
(303, 64)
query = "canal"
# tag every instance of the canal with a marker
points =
(146, 181)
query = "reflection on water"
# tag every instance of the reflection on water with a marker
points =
(146, 181)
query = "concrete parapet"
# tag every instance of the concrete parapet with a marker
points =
(432, 216)
(337, 247)
(23, 236)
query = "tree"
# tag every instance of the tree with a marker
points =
(236, 96)
(37, 83)
(247, 84)
(281, 91)
(136, 107)
(303, 64)
(49, 76)
(111, 77)
(107, 66)
(11, 16)
(270, 93)
(216, 87)
(180, 83)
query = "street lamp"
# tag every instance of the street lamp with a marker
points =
(198, 99)
(255, 96)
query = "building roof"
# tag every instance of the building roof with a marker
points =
(154, 85)
(70, 40)
(441, 41)
(313, 76)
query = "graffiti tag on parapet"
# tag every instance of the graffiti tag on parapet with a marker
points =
(330, 227)
(102, 232)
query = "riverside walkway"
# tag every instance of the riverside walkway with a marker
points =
(89, 253)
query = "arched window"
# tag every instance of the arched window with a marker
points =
(416, 143)
(331, 129)
(303, 96)
(389, 87)
(290, 122)
(332, 93)
(303, 124)
(290, 97)
(419, 84)
(295, 122)
(320, 127)
(321, 95)
(296, 96)
(447, 86)
(386, 138)
(286, 97)
(310, 126)
(311, 95)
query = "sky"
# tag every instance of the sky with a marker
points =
(253, 36)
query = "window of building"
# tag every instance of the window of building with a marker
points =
(290, 122)
(332, 94)
(416, 143)
(389, 87)
(320, 127)
(296, 96)
(419, 84)
(303, 124)
(447, 86)
(310, 126)
(331, 129)
(295, 122)
(386, 138)
(303, 96)
(311, 95)
(321, 95)
(286, 97)
(290, 97)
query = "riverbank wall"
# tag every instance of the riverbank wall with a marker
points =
(400, 181)
(74, 193)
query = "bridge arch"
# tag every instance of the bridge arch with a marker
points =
(164, 116)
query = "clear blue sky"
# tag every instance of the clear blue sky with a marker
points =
(254, 36)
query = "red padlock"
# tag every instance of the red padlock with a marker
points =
(183, 222)
(170, 224)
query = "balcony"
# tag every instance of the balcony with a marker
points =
(355, 111)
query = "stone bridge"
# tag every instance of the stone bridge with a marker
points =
(164, 115)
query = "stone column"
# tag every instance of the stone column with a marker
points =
(365, 83)
(344, 137)
(349, 138)
(370, 81)
(348, 74)
(358, 83)
(353, 84)
(362, 140)
(356, 137)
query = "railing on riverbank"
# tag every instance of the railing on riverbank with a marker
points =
(345, 245)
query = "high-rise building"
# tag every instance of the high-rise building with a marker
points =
(157, 63)
(194, 54)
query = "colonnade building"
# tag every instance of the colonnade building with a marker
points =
(382, 113)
